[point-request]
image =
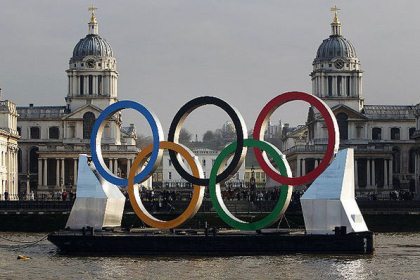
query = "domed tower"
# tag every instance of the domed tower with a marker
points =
(92, 71)
(336, 75)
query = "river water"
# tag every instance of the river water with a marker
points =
(397, 256)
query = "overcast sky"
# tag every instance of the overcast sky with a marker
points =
(243, 51)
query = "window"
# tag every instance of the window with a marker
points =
(330, 86)
(348, 85)
(35, 132)
(82, 85)
(54, 132)
(376, 133)
(99, 84)
(170, 175)
(204, 162)
(411, 131)
(395, 133)
(170, 162)
(33, 160)
(396, 160)
(412, 161)
(343, 125)
(19, 130)
(88, 121)
(19, 160)
(90, 84)
(339, 85)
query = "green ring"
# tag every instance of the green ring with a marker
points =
(285, 191)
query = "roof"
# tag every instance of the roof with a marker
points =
(391, 112)
(335, 46)
(33, 112)
(129, 131)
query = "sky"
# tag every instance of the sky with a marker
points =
(245, 52)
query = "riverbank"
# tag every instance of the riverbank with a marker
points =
(41, 221)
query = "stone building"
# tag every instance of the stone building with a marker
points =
(8, 150)
(381, 135)
(416, 136)
(52, 137)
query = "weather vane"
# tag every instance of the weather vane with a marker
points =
(335, 10)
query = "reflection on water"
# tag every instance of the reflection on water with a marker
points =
(397, 256)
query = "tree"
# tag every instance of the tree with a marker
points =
(208, 136)
(143, 141)
(184, 136)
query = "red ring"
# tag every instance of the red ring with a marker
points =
(333, 136)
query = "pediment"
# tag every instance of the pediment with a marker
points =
(351, 113)
(78, 114)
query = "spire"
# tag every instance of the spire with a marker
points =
(93, 23)
(336, 24)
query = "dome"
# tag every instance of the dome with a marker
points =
(335, 46)
(92, 44)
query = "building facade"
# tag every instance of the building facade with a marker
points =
(416, 137)
(382, 135)
(8, 151)
(52, 137)
(171, 178)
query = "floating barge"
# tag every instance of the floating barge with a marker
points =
(194, 242)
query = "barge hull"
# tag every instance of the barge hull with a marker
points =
(220, 244)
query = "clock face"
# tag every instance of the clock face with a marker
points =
(339, 64)
(90, 63)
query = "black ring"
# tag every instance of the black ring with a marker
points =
(240, 129)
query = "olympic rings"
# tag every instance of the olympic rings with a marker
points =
(216, 195)
(96, 135)
(237, 148)
(241, 134)
(333, 136)
(133, 190)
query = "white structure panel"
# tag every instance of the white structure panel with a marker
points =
(330, 202)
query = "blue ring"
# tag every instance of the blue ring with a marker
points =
(95, 144)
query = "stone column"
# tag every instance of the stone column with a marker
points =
(62, 172)
(75, 171)
(39, 171)
(385, 173)
(111, 165)
(373, 174)
(57, 178)
(116, 166)
(45, 172)
(298, 167)
(356, 176)
(128, 166)
(368, 183)
(303, 167)
(316, 162)
(390, 172)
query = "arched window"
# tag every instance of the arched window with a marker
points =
(376, 133)
(395, 133)
(54, 132)
(396, 160)
(33, 160)
(88, 121)
(343, 126)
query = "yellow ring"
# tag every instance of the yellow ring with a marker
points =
(133, 190)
